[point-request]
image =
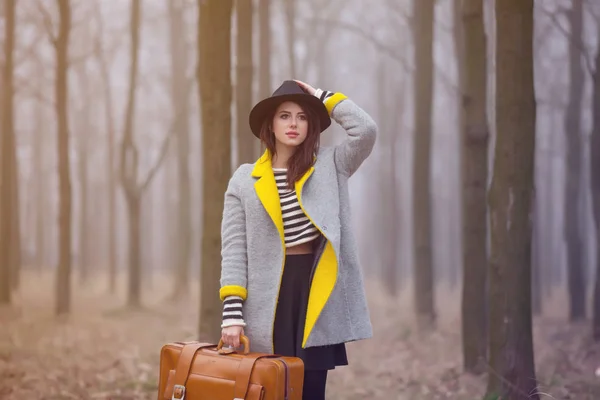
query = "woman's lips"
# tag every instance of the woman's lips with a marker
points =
(292, 135)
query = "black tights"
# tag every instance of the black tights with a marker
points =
(314, 385)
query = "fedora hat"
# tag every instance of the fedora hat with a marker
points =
(288, 91)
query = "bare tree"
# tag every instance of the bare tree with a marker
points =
(40, 186)
(8, 159)
(595, 173)
(512, 371)
(390, 105)
(83, 127)
(423, 98)
(61, 45)
(129, 165)
(472, 54)
(101, 56)
(264, 66)
(290, 23)
(214, 35)
(572, 230)
(264, 51)
(180, 92)
(243, 86)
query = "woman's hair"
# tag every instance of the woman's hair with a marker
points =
(303, 157)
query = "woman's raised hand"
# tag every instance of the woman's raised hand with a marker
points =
(306, 87)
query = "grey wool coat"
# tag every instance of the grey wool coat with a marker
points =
(253, 251)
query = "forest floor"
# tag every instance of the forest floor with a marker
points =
(104, 351)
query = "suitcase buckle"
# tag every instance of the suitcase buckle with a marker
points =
(178, 392)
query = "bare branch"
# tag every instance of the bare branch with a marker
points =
(161, 156)
(166, 141)
(101, 50)
(398, 13)
(24, 86)
(594, 10)
(391, 52)
(47, 19)
(74, 60)
(29, 51)
(567, 34)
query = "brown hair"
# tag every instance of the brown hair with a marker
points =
(303, 157)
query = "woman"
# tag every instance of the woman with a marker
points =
(291, 279)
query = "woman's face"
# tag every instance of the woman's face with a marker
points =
(290, 124)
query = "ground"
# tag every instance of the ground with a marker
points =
(104, 351)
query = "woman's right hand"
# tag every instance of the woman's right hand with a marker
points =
(231, 335)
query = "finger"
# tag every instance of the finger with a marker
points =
(236, 341)
(302, 84)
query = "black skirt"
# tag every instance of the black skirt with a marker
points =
(291, 314)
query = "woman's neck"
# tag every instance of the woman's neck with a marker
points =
(282, 156)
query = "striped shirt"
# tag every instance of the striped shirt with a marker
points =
(297, 228)
(232, 311)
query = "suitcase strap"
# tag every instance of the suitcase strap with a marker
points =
(242, 381)
(184, 364)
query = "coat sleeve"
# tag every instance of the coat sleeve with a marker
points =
(234, 259)
(361, 130)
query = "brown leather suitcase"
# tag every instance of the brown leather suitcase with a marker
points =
(204, 371)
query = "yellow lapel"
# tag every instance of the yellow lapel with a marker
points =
(266, 190)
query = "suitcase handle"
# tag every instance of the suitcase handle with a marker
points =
(243, 340)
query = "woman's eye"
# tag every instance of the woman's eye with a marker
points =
(284, 116)
(303, 117)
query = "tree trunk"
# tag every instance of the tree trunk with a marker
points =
(243, 87)
(475, 138)
(39, 169)
(40, 192)
(572, 229)
(180, 92)
(8, 157)
(423, 98)
(595, 175)
(84, 129)
(110, 162)
(15, 223)
(388, 214)
(397, 119)
(14, 253)
(63, 293)
(264, 59)
(290, 15)
(384, 248)
(536, 267)
(129, 165)
(510, 339)
(214, 35)
(134, 293)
